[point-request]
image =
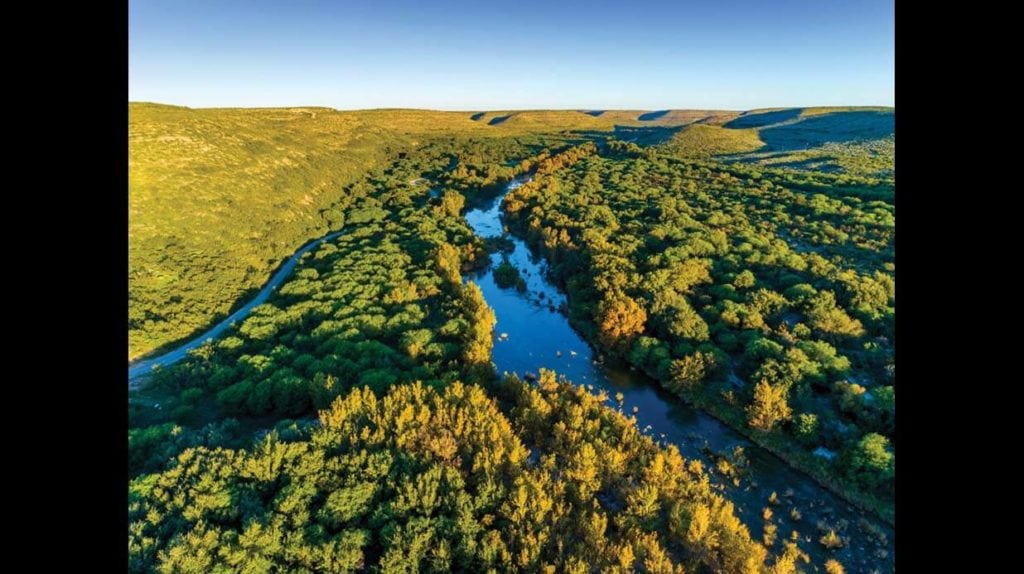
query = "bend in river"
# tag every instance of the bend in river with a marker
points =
(868, 542)
(519, 349)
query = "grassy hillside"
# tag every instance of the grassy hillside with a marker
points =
(869, 158)
(218, 197)
(858, 141)
(703, 140)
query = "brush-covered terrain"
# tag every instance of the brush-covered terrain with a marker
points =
(355, 421)
(219, 197)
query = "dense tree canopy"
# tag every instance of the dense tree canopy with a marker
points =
(355, 422)
(711, 277)
(424, 480)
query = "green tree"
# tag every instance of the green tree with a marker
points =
(688, 372)
(871, 462)
(479, 339)
(769, 406)
(806, 428)
(744, 280)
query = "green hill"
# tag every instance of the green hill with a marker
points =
(714, 252)
(702, 140)
(218, 197)
(857, 141)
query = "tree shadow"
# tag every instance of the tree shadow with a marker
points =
(476, 117)
(761, 119)
(498, 120)
(839, 127)
(651, 116)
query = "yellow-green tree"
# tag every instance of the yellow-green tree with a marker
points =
(448, 263)
(769, 406)
(620, 320)
(833, 567)
(452, 203)
(480, 336)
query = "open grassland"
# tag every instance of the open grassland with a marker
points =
(869, 158)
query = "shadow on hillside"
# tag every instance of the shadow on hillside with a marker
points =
(823, 164)
(819, 164)
(476, 117)
(646, 136)
(761, 119)
(651, 116)
(839, 127)
(643, 136)
(498, 120)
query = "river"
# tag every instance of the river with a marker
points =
(532, 333)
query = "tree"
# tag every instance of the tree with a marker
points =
(871, 461)
(689, 371)
(620, 320)
(507, 275)
(768, 407)
(674, 316)
(452, 203)
(699, 532)
(479, 339)
(807, 428)
(744, 280)
(833, 566)
(825, 316)
(831, 540)
(448, 263)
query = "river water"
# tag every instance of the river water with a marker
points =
(531, 333)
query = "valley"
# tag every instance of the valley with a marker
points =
(666, 336)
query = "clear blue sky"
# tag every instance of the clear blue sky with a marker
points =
(480, 54)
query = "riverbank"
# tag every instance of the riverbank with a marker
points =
(532, 334)
(806, 463)
(537, 335)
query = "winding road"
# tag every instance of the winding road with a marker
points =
(536, 335)
(141, 367)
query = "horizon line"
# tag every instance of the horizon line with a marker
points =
(478, 110)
